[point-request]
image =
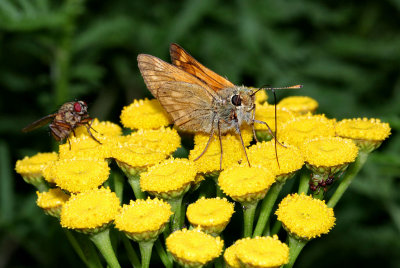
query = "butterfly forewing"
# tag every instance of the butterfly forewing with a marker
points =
(157, 72)
(187, 63)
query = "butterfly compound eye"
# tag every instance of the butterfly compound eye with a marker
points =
(236, 100)
(77, 107)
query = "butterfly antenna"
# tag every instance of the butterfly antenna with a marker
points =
(267, 87)
(276, 129)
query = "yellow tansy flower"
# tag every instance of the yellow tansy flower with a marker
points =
(305, 217)
(31, 168)
(79, 175)
(84, 147)
(162, 139)
(246, 184)
(209, 162)
(52, 201)
(211, 215)
(134, 158)
(289, 157)
(194, 248)
(231, 261)
(266, 113)
(90, 211)
(329, 154)
(263, 252)
(261, 96)
(143, 220)
(368, 134)
(304, 128)
(169, 179)
(144, 114)
(299, 105)
(99, 129)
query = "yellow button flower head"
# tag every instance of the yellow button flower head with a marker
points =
(143, 220)
(303, 128)
(305, 217)
(231, 261)
(31, 168)
(134, 158)
(99, 129)
(194, 248)
(211, 215)
(262, 252)
(246, 184)
(84, 147)
(91, 211)
(299, 105)
(162, 139)
(209, 162)
(329, 155)
(144, 114)
(261, 95)
(290, 158)
(266, 113)
(52, 201)
(368, 134)
(169, 179)
(80, 175)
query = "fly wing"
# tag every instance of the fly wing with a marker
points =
(188, 104)
(157, 72)
(186, 62)
(39, 123)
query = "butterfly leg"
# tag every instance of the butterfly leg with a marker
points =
(270, 131)
(209, 139)
(252, 123)
(220, 146)
(241, 140)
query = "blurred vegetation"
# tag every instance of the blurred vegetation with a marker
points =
(346, 53)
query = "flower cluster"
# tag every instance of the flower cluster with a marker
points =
(82, 186)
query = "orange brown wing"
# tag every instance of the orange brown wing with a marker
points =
(156, 73)
(188, 100)
(187, 63)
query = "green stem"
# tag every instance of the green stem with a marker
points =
(176, 209)
(118, 185)
(88, 255)
(103, 243)
(352, 171)
(249, 210)
(41, 185)
(134, 181)
(266, 207)
(275, 229)
(146, 248)
(163, 255)
(219, 263)
(295, 247)
(304, 181)
(132, 256)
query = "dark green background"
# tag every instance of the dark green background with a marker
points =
(345, 53)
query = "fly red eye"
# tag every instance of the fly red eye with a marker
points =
(77, 107)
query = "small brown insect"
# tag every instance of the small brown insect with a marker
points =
(198, 99)
(65, 120)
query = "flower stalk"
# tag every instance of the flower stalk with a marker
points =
(351, 173)
(103, 243)
(249, 209)
(295, 247)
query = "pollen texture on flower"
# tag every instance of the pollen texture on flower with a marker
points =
(266, 113)
(53, 198)
(89, 210)
(170, 175)
(144, 114)
(143, 219)
(329, 151)
(262, 252)
(243, 183)
(194, 247)
(304, 216)
(363, 129)
(79, 175)
(303, 128)
(299, 105)
(34, 165)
